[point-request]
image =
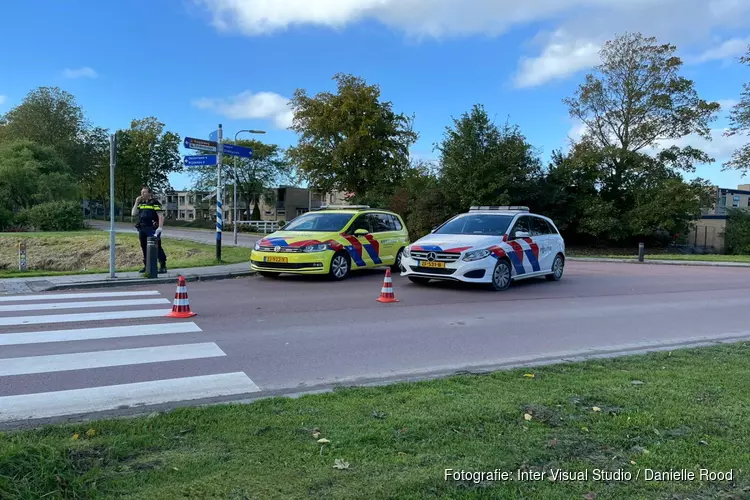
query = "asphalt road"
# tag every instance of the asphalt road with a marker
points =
(197, 235)
(254, 337)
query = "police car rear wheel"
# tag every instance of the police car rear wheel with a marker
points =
(501, 277)
(340, 267)
(557, 269)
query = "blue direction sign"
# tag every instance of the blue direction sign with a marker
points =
(200, 144)
(200, 160)
(232, 150)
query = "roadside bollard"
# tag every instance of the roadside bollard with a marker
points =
(641, 251)
(22, 256)
(151, 253)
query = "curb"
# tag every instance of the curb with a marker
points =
(147, 281)
(696, 263)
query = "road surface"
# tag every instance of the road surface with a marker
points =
(111, 351)
(198, 235)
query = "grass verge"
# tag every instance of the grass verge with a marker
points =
(686, 409)
(86, 252)
(629, 254)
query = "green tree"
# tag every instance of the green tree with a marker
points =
(51, 117)
(255, 176)
(740, 124)
(483, 164)
(146, 154)
(636, 99)
(31, 174)
(350, 140)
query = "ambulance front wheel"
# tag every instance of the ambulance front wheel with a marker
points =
(340, 267)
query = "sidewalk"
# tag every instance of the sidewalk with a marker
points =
(10, 286)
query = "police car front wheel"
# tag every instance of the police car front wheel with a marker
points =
(501, 277)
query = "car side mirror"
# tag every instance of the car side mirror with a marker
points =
(521, 234)
(361, 232)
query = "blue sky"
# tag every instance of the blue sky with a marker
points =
(196, 63)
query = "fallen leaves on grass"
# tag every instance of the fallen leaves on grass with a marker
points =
(75, 436)
(529, 375)
(589, 496)
(340, 464)
(596, 409)
(323, 441)
(527, 416)
(90, 433)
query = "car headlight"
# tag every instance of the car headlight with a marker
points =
(406, 253)
(257, 245)
(476, 255)
(315, 248)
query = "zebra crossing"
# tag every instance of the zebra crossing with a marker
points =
(63, 355)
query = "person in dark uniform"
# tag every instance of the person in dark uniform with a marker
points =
(150, 223)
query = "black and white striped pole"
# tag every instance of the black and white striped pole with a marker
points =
(219, 215)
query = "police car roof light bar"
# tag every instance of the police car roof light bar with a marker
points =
(514, 208)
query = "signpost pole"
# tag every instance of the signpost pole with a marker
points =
(112, 163)
(219, 222)
(234, 204)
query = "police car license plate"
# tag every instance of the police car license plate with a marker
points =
(434, 265)
(279, 260)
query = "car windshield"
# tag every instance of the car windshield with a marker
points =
(322, 222)
(489, 225)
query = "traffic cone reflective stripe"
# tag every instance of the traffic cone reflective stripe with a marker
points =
(181, 305)
(386, 293)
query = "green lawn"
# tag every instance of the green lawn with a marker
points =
(623, 254)
(687, 409)
(84, 252)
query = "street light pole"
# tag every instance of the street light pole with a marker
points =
(234, 213)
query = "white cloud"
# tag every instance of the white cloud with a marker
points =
(84, 72)
(560, 59)
(3, 98)
(692, 24)
(727, 50)
(247, 105)
(720, 147)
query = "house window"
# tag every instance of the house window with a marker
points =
(182, 200)
(190, 215)
(192, 200)
(736, 202)
(182, 214)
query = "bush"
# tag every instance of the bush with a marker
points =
(737, 235)
(6, 219)
(55, 216)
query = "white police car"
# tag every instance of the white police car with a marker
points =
(492, 245)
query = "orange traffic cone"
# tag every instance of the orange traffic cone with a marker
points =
(386, 294)
(181, 306)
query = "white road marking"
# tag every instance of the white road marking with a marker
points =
(74, 318)
(63, 296)
(96, 333)
(84, 305)
(103, 359)
(93, 399)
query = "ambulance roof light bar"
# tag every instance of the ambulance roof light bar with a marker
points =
(344, 207)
